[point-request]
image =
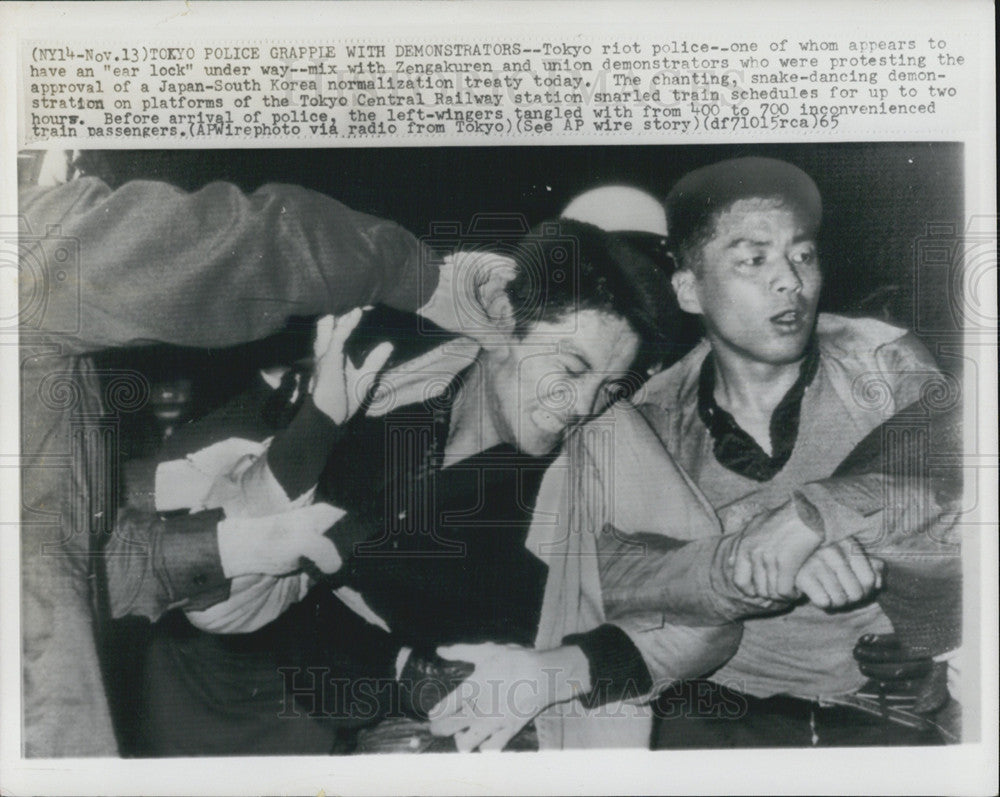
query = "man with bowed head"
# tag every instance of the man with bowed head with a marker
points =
(432, 543)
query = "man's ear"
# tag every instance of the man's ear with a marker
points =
(492, 278)
(686, 290)
(468, 293)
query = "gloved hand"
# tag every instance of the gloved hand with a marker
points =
(338, 387)
(276, 545)
(903, 681)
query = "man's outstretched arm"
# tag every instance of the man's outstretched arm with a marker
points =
(883, 490)
(889, 488)
(215, 267)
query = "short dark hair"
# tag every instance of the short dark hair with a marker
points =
(686, 249)
(565, 266)
(700, 197)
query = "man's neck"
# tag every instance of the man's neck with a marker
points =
(750, 385)
(471, 430)
(750, 390)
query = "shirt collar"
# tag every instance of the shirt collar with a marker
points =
(734, 448)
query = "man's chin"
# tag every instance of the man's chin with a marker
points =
(788, 357)
(786, 351)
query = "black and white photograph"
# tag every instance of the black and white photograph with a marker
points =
(498, 398)
(453, 449)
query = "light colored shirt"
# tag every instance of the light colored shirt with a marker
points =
(868, 371)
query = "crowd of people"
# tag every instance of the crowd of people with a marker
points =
(491, 512)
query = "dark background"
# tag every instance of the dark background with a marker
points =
(878, 197)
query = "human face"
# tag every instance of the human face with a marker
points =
(756, 283)
(559, 374)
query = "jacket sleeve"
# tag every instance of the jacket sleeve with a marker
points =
(637, 656)
(676, 652)
(683, 582)
(618, 670)
(899, 481)
(154, 562)
(217, 267)
(900, 478)
(157, 564)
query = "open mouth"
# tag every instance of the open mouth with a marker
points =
(789, 320)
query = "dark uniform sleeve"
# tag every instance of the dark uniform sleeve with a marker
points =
(149, 263)
(617, 669)
(216, 267)
(299, 452)
(164, 563)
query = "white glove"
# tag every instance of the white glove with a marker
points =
(274, 545)
(188, 483)
(338, 388)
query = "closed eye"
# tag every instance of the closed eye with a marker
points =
(754, 260)
(575, 365)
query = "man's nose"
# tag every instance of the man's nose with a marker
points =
(786, 277)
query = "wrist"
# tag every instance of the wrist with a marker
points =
(233, 553)
(186, 556)
(333, 410)
(568, 670)
(809, 515)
